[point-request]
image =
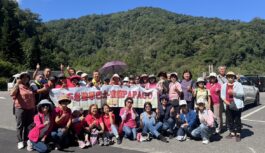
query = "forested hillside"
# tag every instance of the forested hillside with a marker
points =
(152, 39)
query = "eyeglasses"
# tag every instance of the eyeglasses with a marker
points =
(45, 106)
(129, 102)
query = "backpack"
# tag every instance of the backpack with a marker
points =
(94, 137)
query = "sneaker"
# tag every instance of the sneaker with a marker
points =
(100, 141)
(162, 138)
(81, 144)
(118, 140)
(20, 145)
(205, 141)
(171, 136)
(238, 138)
(88, 144)
(106, 142)
(230, 136)
(217, 131)
(29, 146)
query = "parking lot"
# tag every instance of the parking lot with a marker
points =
(253, 120)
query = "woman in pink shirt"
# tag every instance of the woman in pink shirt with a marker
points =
(128, 116)
(94, 125)
(110, 128)
(44, 121)
(215, 88)
(24, 104)
(152, 82)
(174, 92)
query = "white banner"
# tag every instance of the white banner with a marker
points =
(112, 95)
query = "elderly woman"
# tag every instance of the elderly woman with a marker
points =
(149, 122)
(207, 126)
(232, 94)
(24, 103)
(44, 121)
(128, 116)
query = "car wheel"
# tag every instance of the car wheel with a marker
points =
(257, 100)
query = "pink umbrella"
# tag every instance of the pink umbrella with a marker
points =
(113, 67)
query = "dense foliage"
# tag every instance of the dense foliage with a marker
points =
(152, 39)
(147, 39)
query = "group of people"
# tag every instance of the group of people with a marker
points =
(187, 109)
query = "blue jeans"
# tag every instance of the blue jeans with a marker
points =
(129, 132)
(39, 146)
(114, 130)
(168, 125)
(60, 137)
(203, 132)
(185, 130)
(149, 127)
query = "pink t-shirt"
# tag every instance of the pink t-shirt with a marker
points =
(215, 90)
(59, 112)
(129, 120)
(106, 121)
(150, 86)
(172, 90)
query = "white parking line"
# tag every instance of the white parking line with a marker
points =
(254, 120)
(255, 111)
(2, 98)
(253, 151)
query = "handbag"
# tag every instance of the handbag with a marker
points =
(233, 106)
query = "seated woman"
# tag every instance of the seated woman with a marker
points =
(186, 121)
(94, 125)
(148, 122)
(62, 123)
(206, 117)
(166, 113)
(110, 128)
(128, 116)
(44, 121)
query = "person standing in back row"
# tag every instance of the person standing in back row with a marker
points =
(188, 85)
(221, 76)
(24, 103)
(232, 94)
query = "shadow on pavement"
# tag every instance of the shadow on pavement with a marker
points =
(246, 133)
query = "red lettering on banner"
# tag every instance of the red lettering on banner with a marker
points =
(113, 94)
(105, 94)
(77, 96)
(98, 94)
(139, 95)
(91, 95)
(70, 96)
(130, 94)
(84, 96)
(134, 94)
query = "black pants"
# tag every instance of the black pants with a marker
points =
(190, 104)
(233, 120)
(24, 118)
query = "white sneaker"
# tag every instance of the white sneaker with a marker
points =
(20, 145)
(205, 141)
(29, 146)
(217, 131)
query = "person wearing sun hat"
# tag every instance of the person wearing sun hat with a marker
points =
(206, 127)
(143, 80)
(24, 107)
(115, 80)
(62, 122)
(186, 121)
(232, 94)
(44, 122)
(215, 89)
(202, 93)
(151, 82)
(163, 83)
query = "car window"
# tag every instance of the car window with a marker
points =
(11, 79)
(245, 81)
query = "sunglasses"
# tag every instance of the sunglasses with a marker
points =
(129, 102)
(45, 106)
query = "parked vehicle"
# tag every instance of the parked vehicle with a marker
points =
(12, 81)
(251, 92)
(258, 80)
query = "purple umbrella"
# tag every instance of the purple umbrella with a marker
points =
(113, 67)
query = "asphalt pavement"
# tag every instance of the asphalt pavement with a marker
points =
(253, 136)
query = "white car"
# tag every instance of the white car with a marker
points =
(251, 92)
(12, 82)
